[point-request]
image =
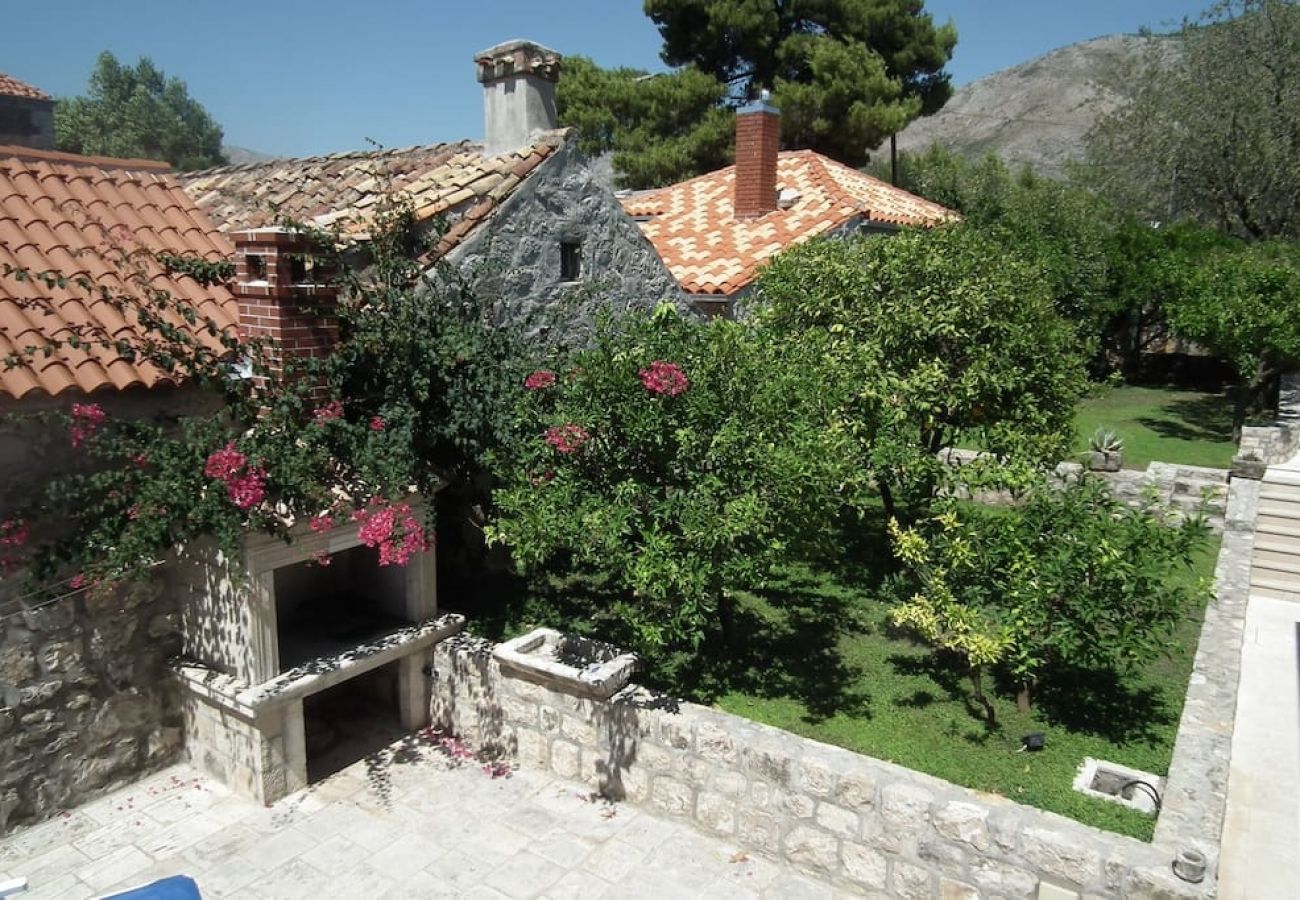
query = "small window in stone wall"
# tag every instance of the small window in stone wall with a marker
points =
(570, 260)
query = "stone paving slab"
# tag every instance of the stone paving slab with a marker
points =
(407, 822)
(1261, 831)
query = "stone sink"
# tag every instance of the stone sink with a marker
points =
(566, 662)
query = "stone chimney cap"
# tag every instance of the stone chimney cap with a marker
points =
(517, 57)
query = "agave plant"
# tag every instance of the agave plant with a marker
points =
(1105, 440)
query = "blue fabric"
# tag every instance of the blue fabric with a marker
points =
(178, 887)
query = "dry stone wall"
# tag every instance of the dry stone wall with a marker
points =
(869, 826)
(86, 703)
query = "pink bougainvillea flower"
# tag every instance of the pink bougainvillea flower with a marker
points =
(134, 512)
(86, 419)
(567, 438)
(664, 378)
(322, 523)
(247, 490)
(140, 460)
(224, 463)
(328, 412)
(14, 532)
(77, 582)
(392, 529)
(539, 380)
(377, 423)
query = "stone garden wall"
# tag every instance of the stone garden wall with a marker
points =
(870, 826)
(1265, 445)
(1180, 488)
(86, 703)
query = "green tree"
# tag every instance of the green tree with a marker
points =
(1069, 578)
(1065, 228)
(661, 127)
(1213, 132)
(846, 73)
(137, 111)
(681, 459)
(949, 336)
(1243, 306)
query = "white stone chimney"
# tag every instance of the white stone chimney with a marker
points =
(518, 93)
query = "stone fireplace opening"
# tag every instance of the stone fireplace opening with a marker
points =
(322, 610)
(352, 720)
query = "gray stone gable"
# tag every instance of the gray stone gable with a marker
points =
(514, 257)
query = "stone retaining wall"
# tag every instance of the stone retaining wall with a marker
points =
(1185, 490)
(1265, 445)
(870, 826)
(867, 825)
(86, 703)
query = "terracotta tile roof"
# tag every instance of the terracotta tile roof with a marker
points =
(12, 87)
(340, 190)
(693, 226)
(60, 212)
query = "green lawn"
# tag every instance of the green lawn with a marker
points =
(881, 694)
(1161, 424)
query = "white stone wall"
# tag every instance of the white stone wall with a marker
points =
(867, 825)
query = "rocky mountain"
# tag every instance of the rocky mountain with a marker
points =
(239, 156)
(1038, 112)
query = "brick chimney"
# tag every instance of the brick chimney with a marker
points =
(518, 93)
(758, 140)
(283, 295)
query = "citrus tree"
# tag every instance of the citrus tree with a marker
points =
(948, 336)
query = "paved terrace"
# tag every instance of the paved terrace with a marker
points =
(407, 822)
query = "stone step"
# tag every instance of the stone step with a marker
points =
(1275, 475)
(1277, 588)
(1287, 560)
(1289, 530)
(1289, 595)
(1266, 542)
(1275, 567)
(1278, 511)
(1279, 493)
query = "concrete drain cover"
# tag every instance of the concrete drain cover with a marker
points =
(1120, 784)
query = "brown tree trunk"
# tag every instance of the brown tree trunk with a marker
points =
(727, 618)
(977, 690)
(1022, 696)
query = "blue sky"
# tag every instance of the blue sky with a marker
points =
(298, 77)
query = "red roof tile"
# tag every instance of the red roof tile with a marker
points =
(65, 213)
(12, 87)
(340, 190)
(693, 225)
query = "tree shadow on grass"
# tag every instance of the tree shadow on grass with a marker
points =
(946, 672)
(1194, 419)
(788, 647)
(1105, 704)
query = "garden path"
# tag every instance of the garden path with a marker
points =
(406, 822)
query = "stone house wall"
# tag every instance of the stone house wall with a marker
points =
(33, 451)
(86, 703)
(514, 257)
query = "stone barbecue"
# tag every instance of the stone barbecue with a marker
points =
(293, 669)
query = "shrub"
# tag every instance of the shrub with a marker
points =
(1071, 577)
